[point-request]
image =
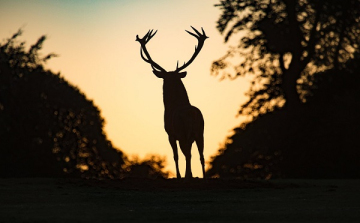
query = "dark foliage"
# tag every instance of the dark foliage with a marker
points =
(152, 167)
(304, 54)
(283, 43)
(47, 126)
(317, 140)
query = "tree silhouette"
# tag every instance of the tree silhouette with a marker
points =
(283, 43)
(47, 126)
(303, 57)
(318, 140)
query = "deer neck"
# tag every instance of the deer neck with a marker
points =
(174, 94)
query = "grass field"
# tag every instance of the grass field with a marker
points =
(135, 200)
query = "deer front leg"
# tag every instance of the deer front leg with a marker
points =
(172, 141)
(200, 144)
(188, 173)
(186, 149)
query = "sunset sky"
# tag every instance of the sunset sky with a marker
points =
(95, 41)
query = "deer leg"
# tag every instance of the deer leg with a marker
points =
(200, 144)
(176, 156)
(186, 149)
(188, 173)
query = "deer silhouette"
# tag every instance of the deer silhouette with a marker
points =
(183, 122)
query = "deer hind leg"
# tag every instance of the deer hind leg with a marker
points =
(172, 141)
(186, 149)
(200, 144)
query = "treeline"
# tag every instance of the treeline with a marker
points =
(317, 140)
(303, 59)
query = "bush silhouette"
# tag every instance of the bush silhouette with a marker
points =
(47, 126)
(152, 167)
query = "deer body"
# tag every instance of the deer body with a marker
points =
(183, 122)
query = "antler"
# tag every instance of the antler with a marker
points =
(148, 59)
(201, 39)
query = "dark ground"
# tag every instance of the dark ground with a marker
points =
(135, 200)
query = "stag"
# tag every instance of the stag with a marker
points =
(183, 122)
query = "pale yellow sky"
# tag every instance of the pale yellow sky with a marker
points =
(99, 54)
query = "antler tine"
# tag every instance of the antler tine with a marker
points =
(201, 39)
(149, 35)
(199, 35)
(146, 37)
(192, 34)
(203, 32)
(197, 32)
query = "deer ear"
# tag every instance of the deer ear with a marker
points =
(182, 74)
(159, 74)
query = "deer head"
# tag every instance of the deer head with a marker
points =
(157, 69)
